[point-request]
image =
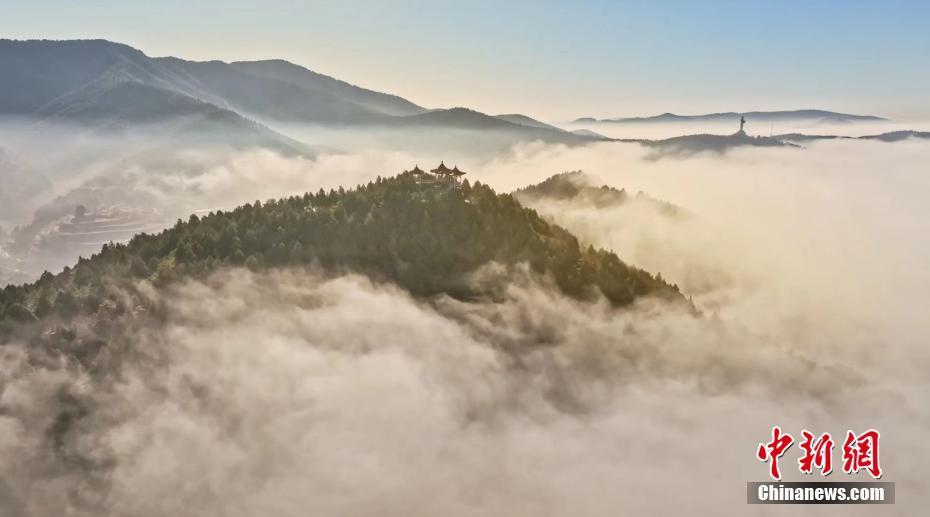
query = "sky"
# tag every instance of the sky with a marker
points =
(557, 60)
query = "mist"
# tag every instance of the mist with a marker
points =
(291, 392)
(295, 391)
(143, 177)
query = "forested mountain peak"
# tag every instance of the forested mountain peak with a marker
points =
(426, 238)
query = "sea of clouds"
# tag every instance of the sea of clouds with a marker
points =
(294, 392)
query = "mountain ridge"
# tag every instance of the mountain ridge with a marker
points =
(74, 80)
(761, 116)
(103, 85)
(890, 136)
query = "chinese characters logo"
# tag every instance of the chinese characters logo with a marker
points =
(860, 452)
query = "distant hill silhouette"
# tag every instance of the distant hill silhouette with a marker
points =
(892, 136)
(809, 115)
(464, 118)
(311, 81)
(897, 136)
(39, 75)
(801, 137)
(590, 134)
(110, 85)
(693, 144)
(523, 120)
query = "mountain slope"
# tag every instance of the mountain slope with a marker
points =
(464, 118)
(271, 99)
(523, 120)
(37, 73)
(311, 81)
(590, 134)
(40, 73)
(109, 85)
(758, 116)
(427, 239)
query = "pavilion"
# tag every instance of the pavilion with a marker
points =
(443, 172)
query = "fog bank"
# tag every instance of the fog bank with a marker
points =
(293, 392)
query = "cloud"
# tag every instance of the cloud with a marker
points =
(292, 392)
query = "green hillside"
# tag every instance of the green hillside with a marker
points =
(424, 238)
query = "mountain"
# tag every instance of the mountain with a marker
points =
(801, 137)
(109, 85)
(806, 115)
(523, 120)
(892, 136)
(426, 238)
(284, 92)
(590, 134)
(464, 118)
(48, 77)
(313, 82)
(693, 144)
(897, 136)
(576, 186)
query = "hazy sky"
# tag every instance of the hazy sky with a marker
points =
(555, 60)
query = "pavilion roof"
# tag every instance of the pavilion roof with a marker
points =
(441, 170)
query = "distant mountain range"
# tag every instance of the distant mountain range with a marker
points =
(523, 120)
(97, 78)
(687, 145)
(892, 136)
(692, 144)
(111, 85)
(806, 115)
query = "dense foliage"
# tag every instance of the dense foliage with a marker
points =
(425, 238)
